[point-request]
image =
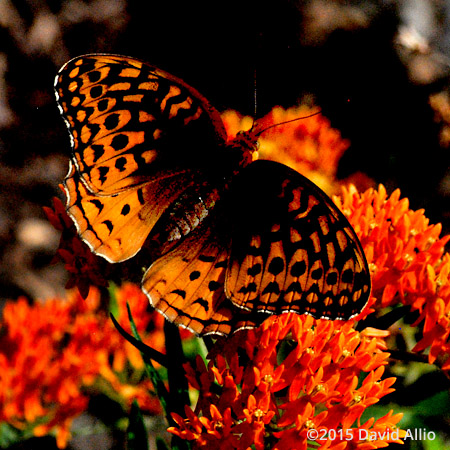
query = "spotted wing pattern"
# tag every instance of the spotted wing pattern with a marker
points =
(186, 284)
(277, 245)
(131, 125)
(149, 159)
(293, 249)
(116, 226)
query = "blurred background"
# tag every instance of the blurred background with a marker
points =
(378, 69)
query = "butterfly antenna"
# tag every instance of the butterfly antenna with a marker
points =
(255, 100)
(289, 121)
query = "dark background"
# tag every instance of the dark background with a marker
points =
(372, 67)
(356, 60)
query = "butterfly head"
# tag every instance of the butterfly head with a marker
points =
(246, 143)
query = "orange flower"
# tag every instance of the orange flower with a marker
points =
(86, 269)
(49, 352)
(278, 389)
(408, 262)
(308, 145)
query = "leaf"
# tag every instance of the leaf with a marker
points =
(137, 438)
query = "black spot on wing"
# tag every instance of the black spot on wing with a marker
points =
(271, 288)
(316, 274)
(214, 285)
(102, 105)
(102, 173)
(203, 303)
(125, 210)
(298, 269)
(276, 265)
(332, 278)
(206, 258)
(109, 225)
(119, 142)
(94, 76)
(179, 292)
(98, 204)
(221, 264)
(251, 287)
(140, 196)
(120, 164)
(96, 91)
(98, 150)
(347, 276)
(254, 270)
(112, 121)
(194, 275)
(295, 286)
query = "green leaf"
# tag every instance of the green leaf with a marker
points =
(437, 405)
(146, 350)
(178, 385)
(113, 303)
(136, 433)
(9, 435)
(152, 373)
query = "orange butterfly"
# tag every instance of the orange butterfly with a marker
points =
(236, 238)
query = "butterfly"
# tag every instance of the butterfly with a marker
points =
(237, 239)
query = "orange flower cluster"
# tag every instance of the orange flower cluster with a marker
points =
(408, 262)
(260, 389)
(405, 252)
(308, 145)
(51, 352)
(269, 387)
(85, 268)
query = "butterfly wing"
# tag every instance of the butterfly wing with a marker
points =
(144, 146)
(116, 226)
(276, 244)
(292, 249)
(135, 147)
(186, 284)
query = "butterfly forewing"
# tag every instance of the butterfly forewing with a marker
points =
(135, 149)
(292, 249)
(117, 226)
(129, 120)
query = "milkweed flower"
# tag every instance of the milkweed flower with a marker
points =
(267, 387)
(307, 144)
(51, 352)
(270, 387)
(85, 268)
(408, 262)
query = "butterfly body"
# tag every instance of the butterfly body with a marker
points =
(236, 238)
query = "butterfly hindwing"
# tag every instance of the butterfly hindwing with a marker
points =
(293, 250)
(276, 244)
(186, 284)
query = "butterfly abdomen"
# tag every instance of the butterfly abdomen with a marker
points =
(184, 215)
